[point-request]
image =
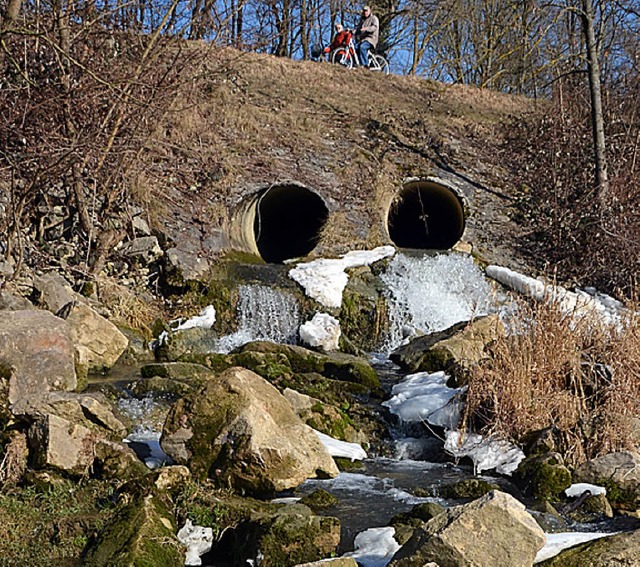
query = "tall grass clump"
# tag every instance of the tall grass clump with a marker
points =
(575, 374)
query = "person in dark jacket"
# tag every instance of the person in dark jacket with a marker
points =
(367, 34)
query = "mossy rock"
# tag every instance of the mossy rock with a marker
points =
(594, 509)
(347, 465)
(418, 514)
(337, 366)
(174, 370)
(290, 537)
(143, 534)
(137, 350)
(216, 362)
(620, 497)
(543, 477)
(464, 489)
(166, 388)
(319, 500)
(363, 314)
(181, 345)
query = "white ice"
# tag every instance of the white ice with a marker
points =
(579, 303)
(374, 547)
(579, 488)
(424, 397)
(337, 448)
(486, 453)
(431, 293)
(560, 541)
(325, 279)
(322, 331)
(205, 319)
(198, 541)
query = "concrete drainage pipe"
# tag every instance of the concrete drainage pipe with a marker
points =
(426, 215)
(281, 222)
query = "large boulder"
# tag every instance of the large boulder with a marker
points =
(36, 349)
(455, 350)
(493, 530)
(619, 473)
(240, 431)
(622, 550)
(98, 342)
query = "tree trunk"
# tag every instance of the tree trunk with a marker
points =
(597, 117)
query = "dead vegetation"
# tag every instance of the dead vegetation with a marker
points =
(574, 374)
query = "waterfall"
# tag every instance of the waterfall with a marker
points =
(431, 293)
(264, 314)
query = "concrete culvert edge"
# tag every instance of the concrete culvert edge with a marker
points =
(282, 222)
(426, 215)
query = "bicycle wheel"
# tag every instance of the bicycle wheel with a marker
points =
(378, 63)
(342, 57)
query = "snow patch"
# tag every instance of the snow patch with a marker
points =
(564, 540)
(579, 488)
(198, 541)
(322, 331)
(579, 303)
(325, 279)
(374, 547)
(337, 448)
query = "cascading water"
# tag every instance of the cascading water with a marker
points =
(431, 293)
(265, 314)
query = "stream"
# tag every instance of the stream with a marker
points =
(426, 293)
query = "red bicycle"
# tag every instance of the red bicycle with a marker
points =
(347, 56)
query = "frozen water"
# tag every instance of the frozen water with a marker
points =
(486, 452)
(325, 279)
(425, 397)
(264, 314)
(322, 331)
(432, 293)
(374, 547)
(337, 448)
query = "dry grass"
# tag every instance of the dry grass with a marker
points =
(128, 309)
(577, 375)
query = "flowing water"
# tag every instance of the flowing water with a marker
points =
(425, 293)
(264, 313)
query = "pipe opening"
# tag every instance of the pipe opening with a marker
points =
(426, 215)
(288, 221)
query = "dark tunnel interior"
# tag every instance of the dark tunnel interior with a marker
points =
(426, 215)
(288, 222)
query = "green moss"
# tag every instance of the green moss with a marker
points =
(470, 488)
(319, 500)
(347, 465)
(295, 538)
(618, 496)
(418, 514)
(435, 360)
(52, 526)
(543, 477)
(142, 534)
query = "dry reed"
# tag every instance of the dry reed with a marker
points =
(575, 374)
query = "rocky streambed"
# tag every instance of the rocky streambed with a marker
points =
(240, 477)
